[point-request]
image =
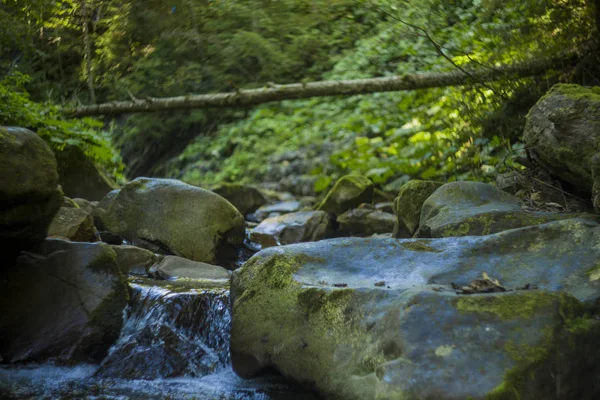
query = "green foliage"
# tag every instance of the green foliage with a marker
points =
(17, 109)
(442, 134)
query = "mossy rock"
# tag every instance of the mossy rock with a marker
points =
(474, 209)
(245, 198)
(134, 260)
(408, 204)
(73, 224)
(170, 217)
(348, 192)
(563, 133)
(172, 267)
(364, 222)
(62, 300)
(29, 192)
(318, 314)
(80, 177)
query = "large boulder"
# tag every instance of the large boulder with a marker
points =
(74, 224)
(364, 222)
(169, 216)
(563, 135)
(245, 198)
(304, 226)
(80, 177)
(63, 300)
(173, 267)
(408, 204)
(475, 208)
(361, 318)
(348, 192)
(29, 192)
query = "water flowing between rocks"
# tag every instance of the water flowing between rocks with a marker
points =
(174, 344)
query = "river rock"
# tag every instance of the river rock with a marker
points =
(304, 226)
(245, 198)
(168, 216)
(134, 260)
(86, 205)
(348, 192)
(364, 222)
(475, 208)
(63, 300)
(358, 318)
(73, 224)
(80, 177)
(562, 134)
(275, 210)
(29, 192)
(172, 267)
(408, 204)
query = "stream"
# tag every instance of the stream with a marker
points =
(174, 344)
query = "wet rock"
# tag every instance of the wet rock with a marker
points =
(364, 222)
(29, 193)
(80, 177)
(171, 332)
(170, 217)
(245, 198)
(101, 211)
(276, 209)
(378, 318)
(64, 300)
(386, 206)
(69, 203)
(134, 260)
(408, 204)
(475, 208)
(172, 267)
(304, 226)
(73, 224)
(562, 133)
(348, 192)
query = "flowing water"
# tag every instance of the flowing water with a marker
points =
(174, 344)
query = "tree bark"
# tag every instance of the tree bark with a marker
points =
(251, 97)
(87, 45)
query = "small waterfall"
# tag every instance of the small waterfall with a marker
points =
(174, 344)
(171, 333)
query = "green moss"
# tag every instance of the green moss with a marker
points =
(577, 92)
(505, 306)
(594, 273)
(461, 230)
(576, 316)
(419, 246)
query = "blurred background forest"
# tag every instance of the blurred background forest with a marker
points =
(60, 54)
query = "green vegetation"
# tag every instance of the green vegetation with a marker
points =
(70, 52)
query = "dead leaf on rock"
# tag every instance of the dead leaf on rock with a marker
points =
(340, 284)
(483, 285)
(380, 283)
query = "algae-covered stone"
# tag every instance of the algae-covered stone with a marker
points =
(134, 260)
(364, 222)
(73, 224)
(80, 177)
(29, 192)
(348, 192)
(305, 226)
(407, 206)
(172, 267)
(245, 198)
(85, 205)
(475, 208)
(563, 133)
(318, 314)
(62, 300)
(169, 216)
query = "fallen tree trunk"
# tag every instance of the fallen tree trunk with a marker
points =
(251, 97)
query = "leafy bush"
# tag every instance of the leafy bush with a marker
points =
(17, 109)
